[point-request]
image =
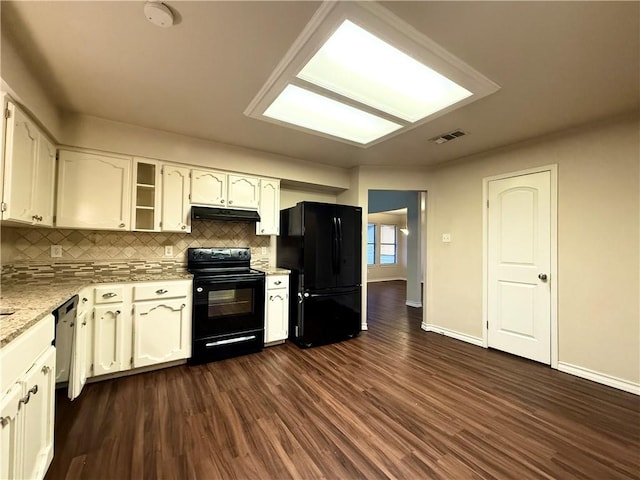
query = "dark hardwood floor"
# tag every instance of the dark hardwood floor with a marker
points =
(395, 402)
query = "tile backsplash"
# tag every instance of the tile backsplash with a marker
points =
(21, 245)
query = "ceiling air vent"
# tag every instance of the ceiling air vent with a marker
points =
(447, 137)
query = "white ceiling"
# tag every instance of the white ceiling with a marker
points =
(560, 64)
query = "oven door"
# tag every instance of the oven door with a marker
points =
(227, 306)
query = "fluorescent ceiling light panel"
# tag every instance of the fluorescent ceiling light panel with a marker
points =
(358, 65)
(307, 109)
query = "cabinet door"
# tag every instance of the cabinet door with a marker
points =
(269, 210)
(208, 187)
(244, 192)
(110, 327)
(20, 157)
(79, 365)
(10, 433)
(39, 388)
(94, 191)
(277, 315)
(175, 199)
(44, 180)
(161, 332)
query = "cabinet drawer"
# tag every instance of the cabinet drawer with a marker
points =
(277, 281)
(153, 291)
(109, 294)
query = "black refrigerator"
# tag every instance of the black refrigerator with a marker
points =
(321, 243)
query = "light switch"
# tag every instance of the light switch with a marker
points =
(168, 250)
(446, 237)
(56, 251)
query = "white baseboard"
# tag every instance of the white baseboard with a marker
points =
(373, 280)
(411, 303)
(364, 326)
(598, 377)
(453, 334)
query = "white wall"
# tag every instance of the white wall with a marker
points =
(398, 271)
(289, 197)
(598, 243)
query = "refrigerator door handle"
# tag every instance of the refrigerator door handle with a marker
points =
(334, 245)
(339, 244)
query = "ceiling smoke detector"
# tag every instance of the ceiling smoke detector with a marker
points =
(447, 137)
(158, 14)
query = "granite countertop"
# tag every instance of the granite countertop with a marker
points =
(32, 300)
(274, 271)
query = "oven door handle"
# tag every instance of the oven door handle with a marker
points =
(206, 284)
(230, 341)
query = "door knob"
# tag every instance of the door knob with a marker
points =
(543, 277)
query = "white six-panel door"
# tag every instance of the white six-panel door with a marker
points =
(519, 265)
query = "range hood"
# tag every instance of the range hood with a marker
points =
(226, 214)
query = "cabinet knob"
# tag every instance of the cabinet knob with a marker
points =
(46, 369)
(84, 323)
(230, 202)
(183, 227)
(277, 282)
(85, 299)
(183, 305)
(262, 231)
(270, 297)
(162, 291)
(34, 217)
(121, 225)
(118, 312)
(4, 421)
(222, 201)
(33, 390)
(39, 218)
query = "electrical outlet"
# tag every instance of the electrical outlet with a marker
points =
(446, 237)
(168, 250)
(56, 251)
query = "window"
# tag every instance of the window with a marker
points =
(388, 244)
(371, 244)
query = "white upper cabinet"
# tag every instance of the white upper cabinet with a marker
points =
(175, 199)
(94, 191)
(147, 195)
(269, 210)
(244, 192)
(29, 163)
(208, 187)
(44, 182)
(220, 189)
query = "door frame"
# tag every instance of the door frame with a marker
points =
(553, 274)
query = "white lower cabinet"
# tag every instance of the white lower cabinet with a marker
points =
(27, 365)
(147, 323)
(277, 309)
(161, 332)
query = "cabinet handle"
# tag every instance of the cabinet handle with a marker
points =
(4, 421)
(46, 369)
(33, 390)
(24, 400)
(108, 295)
(162, 291)
(277, 282)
